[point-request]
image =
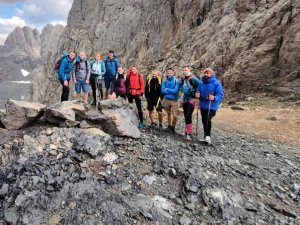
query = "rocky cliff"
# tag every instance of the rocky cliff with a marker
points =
(26, 50)
(252, 44)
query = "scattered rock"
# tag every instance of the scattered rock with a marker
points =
(272, 118)
(184, 220)
(235, 107)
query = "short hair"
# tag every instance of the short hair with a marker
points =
(186, 66)
(111, 51)
(97, 53)
(170, 69)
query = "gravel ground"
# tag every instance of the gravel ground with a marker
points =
(73, 176)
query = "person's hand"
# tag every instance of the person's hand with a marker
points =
(197, 95)
(87, 81)
(66, 83)
(74, 81)
(211, 97)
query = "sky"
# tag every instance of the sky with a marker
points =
(32, 13)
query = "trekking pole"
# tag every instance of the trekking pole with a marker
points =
(197, 123)
(96, 90)
(208, 113)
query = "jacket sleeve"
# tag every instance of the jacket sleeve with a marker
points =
(88, 74)
(61, 70)
(147, 89)
(219, 94)
(142, 84)
(163, 87)
(73, 75)
(174, 90)
(103, 69)
(118, 64)
(196, 81)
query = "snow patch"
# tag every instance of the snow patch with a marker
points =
(22, 82)
(24, 73)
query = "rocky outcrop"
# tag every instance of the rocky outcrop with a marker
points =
(252, 45)
(115, 118)
(20, 114)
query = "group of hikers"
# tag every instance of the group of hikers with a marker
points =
(161, 92)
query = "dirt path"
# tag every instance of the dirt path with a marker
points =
(278, 123)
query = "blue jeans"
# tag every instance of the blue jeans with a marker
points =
(81, 85)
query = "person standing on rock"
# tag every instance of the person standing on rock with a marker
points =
(153, 96)
(135, 89)
(97, 76)
(120, 85)
(111, 66)
(189, 85)
(170, 88)
(81, 77)
(210, 93)
(64, 74)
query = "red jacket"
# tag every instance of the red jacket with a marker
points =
(135, 83)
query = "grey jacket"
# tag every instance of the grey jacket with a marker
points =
(80, 72)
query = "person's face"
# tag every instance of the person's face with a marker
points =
(134, 69)
(72, 56)
(154, 74)
(82, 55)
(206, 73)
(120, 70)
(97, 57)
(169, 73)
(110, 55)
(186, 70)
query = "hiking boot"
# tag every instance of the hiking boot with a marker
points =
(168, 128)
(188, 137)
(93, 103)
(160, 125)
(141, 125)
(153, 125)
(172, 129)
(207, 140)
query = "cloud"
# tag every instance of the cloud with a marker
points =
(34, 13)
(37, 13)
(8, 24)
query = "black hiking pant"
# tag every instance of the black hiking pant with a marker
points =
(188, 110)
(206, 120)
(138, 103)
(96, 84)
(65, 91)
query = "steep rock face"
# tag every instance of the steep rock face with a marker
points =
(253, 45)
(23, 46)
(49, 38)
(24, 49)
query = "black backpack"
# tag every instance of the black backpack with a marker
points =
(77, 65)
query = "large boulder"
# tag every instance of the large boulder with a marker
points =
(120, 120)
(20, 114)
(66, 113)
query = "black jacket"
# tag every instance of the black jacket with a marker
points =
(153, 89)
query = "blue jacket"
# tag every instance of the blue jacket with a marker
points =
(188, 89)
(210, 86)
(98, 68)
(111, 66)
(65, 69)
(170, 88)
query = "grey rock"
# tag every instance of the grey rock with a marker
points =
(11, 215)
(20, 114)
(184, 220)
(63, 112)
(20, 200)
(4, 190)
